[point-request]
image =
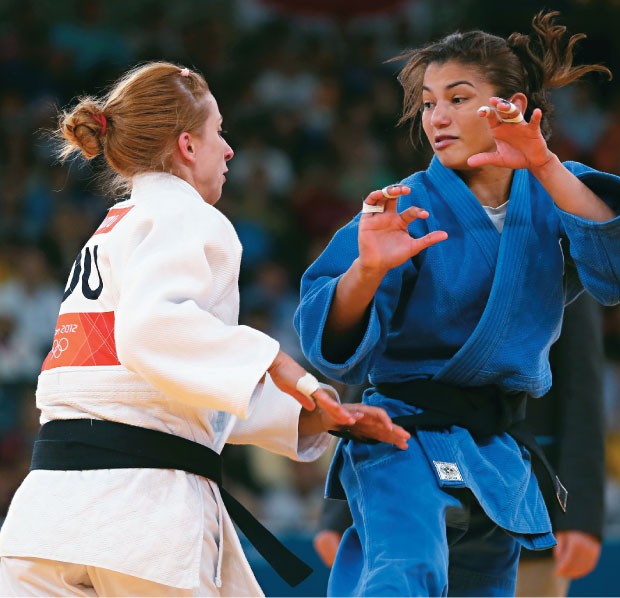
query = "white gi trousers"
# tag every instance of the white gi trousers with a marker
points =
(41, 577)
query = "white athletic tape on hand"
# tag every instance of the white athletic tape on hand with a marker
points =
(387, 194)
(307, 384)
(370, 209)
(512, 108)
(486, 110)
(515, 119)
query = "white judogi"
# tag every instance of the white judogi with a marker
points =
(148, 335)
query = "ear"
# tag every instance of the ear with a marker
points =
(186, 148)
(520, 100)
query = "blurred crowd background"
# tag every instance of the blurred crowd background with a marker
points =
(310, 106)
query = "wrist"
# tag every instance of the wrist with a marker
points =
(546, 166)
(275, 363)
(369, 275)
(313, 422)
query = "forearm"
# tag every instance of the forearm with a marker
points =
(569, 193)
(354, 294)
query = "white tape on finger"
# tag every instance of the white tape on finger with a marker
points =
(512, 108)
(372, 209)
(307, 384)
(387, 194)
(515, 119)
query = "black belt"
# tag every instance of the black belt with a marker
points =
(483, 410)
(83, 444)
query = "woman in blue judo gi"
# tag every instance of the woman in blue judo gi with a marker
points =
(446, 293)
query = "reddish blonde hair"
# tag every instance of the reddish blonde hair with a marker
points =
(136, 124)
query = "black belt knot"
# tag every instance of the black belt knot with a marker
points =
(85, 444)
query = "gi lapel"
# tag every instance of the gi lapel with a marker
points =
(508, 282)
(467, 209)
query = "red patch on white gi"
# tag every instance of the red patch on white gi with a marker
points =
(83, 339)
(114, 216)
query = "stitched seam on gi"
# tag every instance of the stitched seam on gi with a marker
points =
(364, 573)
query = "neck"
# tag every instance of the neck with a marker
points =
(490, 186)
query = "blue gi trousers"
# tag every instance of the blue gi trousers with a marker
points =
(411, 537)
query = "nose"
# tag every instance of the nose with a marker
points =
(440, 116)
(228, 153)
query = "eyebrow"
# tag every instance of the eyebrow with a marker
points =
(451, 85)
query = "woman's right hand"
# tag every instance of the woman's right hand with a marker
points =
(286, 372)
(384, 243)
(383, 238)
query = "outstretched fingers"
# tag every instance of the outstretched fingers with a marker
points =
(418, 244)
(519, 143)
(536, 117)
(385, 198)
(413, 213)
(507, 111)
(431, 238)
(307, 402)
(490, 114)
(500, 112)
(376, 424)
(483, 159)
(336, 411)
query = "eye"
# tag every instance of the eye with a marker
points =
(427, 106)
(458, 99)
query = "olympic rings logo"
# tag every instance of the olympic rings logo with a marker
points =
(59, 347)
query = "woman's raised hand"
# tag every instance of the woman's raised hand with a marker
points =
(519, 144)
(383, 238)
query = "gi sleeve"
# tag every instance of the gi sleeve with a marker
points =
(595, 246)
(318, 286)
(274, 427)
(167, 269)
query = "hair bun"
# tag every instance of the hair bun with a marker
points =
(83, 129)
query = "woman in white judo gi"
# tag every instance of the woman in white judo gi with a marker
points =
(446, 293)
(150, 374)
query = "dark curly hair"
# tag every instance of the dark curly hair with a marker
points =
(531, 64)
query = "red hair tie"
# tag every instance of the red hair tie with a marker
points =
(102, 120)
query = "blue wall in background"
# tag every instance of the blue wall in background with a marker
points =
(605, 579)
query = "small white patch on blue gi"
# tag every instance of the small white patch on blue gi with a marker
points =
(448, 471)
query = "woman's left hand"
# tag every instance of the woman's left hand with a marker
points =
(519, 144)
(372, 423)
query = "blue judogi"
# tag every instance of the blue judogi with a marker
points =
(477, 309)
